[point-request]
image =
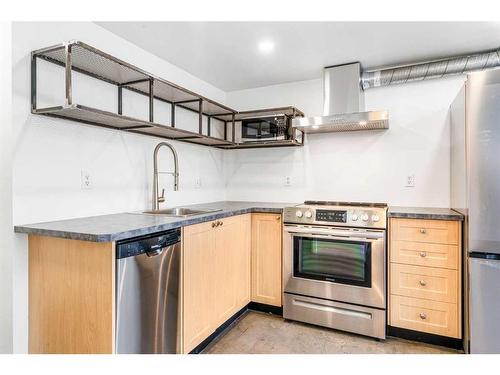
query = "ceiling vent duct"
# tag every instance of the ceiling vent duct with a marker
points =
(343, 104)
(431, 69)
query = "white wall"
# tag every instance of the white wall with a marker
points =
(356, 166)
(6, 234)
(50, 153)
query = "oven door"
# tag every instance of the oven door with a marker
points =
(340, 264)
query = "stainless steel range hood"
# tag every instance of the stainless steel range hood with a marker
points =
(344, 105)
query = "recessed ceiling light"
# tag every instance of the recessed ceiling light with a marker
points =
(315, 127)
(362, 123)
(266, 46)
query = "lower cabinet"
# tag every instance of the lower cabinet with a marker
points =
(266, 259)
(215, 276)
(226, 264)
(425, 292)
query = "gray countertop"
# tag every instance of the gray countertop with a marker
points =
(434, 213)
(121, 226)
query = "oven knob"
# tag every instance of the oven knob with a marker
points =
(364, 217)
(298, 213)
(308, 214)
(354, 217)
(375, 218)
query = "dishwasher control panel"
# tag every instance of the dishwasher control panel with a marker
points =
(151, 244)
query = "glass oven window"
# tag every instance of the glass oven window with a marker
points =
(339, 261)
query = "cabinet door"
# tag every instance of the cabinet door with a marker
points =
(266, 258)
(198, 284)
(227, 242)
(243, 275)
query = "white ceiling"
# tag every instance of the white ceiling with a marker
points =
(226, 55)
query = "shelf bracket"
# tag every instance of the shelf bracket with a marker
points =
(67, 75)
(33, 82)
(151, 100)
(120, 100)
(232, 127)
(200, 117)
(172, 115)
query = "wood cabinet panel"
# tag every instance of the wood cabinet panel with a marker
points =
(228, 239)
(436, 284)
(439, 318)
(243, 277)
(216, 275)
(266, 259)
(425, 254)
(425, 292)
(198, 285)
(431, 231)
(71, 296)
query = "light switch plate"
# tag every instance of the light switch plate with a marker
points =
(288, 181)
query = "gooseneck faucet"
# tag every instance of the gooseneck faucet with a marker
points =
(160, 199)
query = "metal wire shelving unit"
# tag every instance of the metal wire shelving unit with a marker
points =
(83, 58)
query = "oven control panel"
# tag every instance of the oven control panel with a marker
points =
(364, 217)
(332, 216)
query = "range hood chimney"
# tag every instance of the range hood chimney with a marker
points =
(343, 104)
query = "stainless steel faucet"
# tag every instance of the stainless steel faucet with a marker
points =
(157, 199)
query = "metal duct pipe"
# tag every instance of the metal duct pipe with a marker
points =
(431, 69)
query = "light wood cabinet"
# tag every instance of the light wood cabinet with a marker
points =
(423, 315)
(425, 276)
(428, 231)
(266, 259)
(232, 255)
(216, 276)
(198, 284)
(71, 296)
(72, 283)
(430, 283)
(243, 277)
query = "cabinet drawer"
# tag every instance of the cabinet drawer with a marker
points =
(439, 318)
(431, 231)
(437, 284)
(425, 254)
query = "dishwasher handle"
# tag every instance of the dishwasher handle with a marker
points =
(155, 250)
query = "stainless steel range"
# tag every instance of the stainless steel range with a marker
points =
(334, 273)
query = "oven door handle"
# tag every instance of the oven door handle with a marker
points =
(328, 233)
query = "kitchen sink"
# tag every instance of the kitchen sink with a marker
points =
(181, 211)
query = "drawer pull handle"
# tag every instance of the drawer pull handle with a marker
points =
(423, 231)
(214, 224)
(423, 282)
(221, 223)
(423, 316)
(423, 254)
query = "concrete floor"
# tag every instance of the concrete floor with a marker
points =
(260, 333)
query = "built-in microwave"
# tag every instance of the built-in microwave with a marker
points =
(266, 128)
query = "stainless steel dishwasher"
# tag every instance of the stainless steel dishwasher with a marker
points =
(147, 293)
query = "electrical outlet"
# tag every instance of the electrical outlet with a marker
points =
(288, 181)
(197, 183)
(410, 180)
(86, 180)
